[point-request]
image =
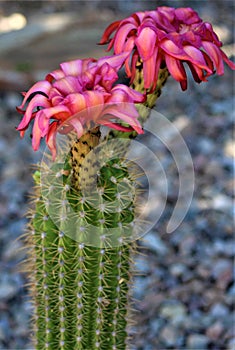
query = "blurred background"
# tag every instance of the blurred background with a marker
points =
(185, 292)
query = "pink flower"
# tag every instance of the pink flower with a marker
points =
(79, 94)
(170, 37)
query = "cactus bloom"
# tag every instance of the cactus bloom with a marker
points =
(170, 37)
(65, 100)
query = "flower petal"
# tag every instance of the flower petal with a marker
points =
(173, 50)
(215, 54)
(37, 101)
(37, 134)
(122, 93)
(114, 61)
(55, 75)
(121, 37)
(146, 42)
(77, 125)
(59, 112)
(120, 113)
(175, 68)
(197, 57)
(94, 104)
(51, 138)
(73, 68)
(197, 73)
(40, 87)
(67, 85)
(187, 15)
(75, 102)
(108, 31)
(227, 60)
(149, 68)
(116, 126)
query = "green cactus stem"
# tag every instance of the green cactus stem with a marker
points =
(81, 290)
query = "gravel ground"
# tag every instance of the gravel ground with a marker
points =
(184, 294)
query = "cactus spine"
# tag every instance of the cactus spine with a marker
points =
(80, 290)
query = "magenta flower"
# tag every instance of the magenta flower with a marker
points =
(170, 37)
(65, 100)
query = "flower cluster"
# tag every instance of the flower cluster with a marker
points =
(82, 93)
(78, 94)
(171, 37)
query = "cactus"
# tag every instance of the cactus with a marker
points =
(81, 289)
(85, 210)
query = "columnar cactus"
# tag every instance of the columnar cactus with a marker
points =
(85, 209)
(81, 289)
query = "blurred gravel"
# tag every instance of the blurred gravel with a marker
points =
(185, 288)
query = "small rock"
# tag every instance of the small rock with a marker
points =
(177, 269)
(5, 328)
(231, 291)
(2, 335)
(214, 331)
(176, 312)
(229, 148)
(141, 265)
(224, 247)
(197, 342)
(200, 163)
(7, 290)
(9, 286)
(13, 251)
(203, 271)
(139, 287)
(155, 325)
(223, 272)
(153, 242)
(231, 344)
(206, 146)
(222, 202)
(169, 335)
(219, 310)
(16, 228)
(187, 244)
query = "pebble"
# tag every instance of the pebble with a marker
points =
(231, 291)
(141, 265)
(169, 335)
(139, 287)
(8, 289)
(197, 342)
(223, 272)
(156, 325)
(174, 311)
(13, 251)
(224, 247)
(153, 242)
(219, 311)
(5, 329)
(187, 244)
(215, 331)
(205, 145)
(178, 269)
(231, 344)
(222, 202)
